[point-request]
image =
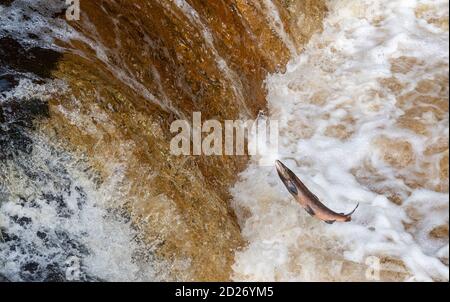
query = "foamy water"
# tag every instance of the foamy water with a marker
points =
(59, 220)
(363, 118)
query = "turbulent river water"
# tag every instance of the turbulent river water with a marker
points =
(364, 118)
(89, 191)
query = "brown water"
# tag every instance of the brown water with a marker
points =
(87, 173)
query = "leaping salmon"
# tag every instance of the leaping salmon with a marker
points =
(307, 199)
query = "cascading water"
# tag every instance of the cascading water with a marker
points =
(89, 190)
(363, 118)
(59, 220)
(88, 187)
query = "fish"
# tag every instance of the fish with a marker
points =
(310, 202)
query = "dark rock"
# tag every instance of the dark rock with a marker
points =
(16, 118)
(23, 112)
(30, 267)
(39, 61)
(6, 2)
(7, 82)
(54, 273)
(41, 235)
(22, 221)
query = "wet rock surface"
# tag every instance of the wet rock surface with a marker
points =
(7, 82)
(16, 121)
(6, 2)
(132, 68)
(36, 60)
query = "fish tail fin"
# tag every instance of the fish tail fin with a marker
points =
(349, 215)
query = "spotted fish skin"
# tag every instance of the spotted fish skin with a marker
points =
(310, 202)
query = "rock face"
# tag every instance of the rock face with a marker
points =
(133, 67)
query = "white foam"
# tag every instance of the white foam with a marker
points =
(82, 225)
(27, 89)
(343, 66)
(102, 241)
(25, 17)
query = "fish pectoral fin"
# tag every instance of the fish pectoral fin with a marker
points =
(330, 221)
(310, 211)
